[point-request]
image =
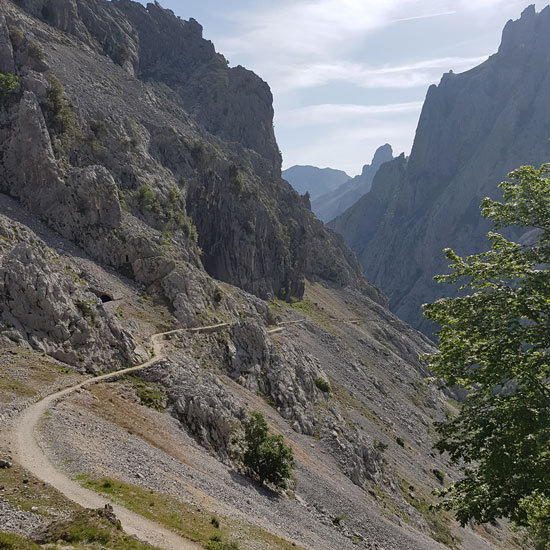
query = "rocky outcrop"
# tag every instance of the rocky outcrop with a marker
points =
(284, 376)
(474, 128)
(333, 203)
(45, 303)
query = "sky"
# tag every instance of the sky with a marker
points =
(350, 75)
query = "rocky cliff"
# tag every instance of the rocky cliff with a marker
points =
(146, 149)
(474, 128)
(333, 203)
(313, 180)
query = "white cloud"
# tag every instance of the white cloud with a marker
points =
(422, 73)
(330, 113)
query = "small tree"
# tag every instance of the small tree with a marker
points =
(8, 83)
(495, 342)
(266, 456)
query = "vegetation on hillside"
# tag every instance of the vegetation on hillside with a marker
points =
(266, 456)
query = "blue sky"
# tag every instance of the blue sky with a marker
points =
(350, 75)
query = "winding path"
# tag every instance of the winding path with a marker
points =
(30, 455)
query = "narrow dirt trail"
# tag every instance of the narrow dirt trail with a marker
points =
(30, 455)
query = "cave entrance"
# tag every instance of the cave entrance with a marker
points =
(106, 298)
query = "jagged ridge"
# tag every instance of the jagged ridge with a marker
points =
(474, 128)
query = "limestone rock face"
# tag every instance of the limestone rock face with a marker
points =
(474, 128)
(333, 203)
(154, 156)
(6, 50)
(93, 22)
(45, 303)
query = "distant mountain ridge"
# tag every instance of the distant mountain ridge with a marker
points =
(313, 180)
(475, 127)
(334, 202)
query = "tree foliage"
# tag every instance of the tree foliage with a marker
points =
(495, 342)
(266, 456)
(8, 83)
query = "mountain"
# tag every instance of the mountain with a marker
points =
(475, 127)
(333, 203)
(313, 180)
(160, 281)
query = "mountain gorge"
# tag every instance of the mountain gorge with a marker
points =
(475, 127)
(313, 180)
(144, 225)
(335, 202)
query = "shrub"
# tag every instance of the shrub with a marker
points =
(536, 511)
(323, 385)
(60, 113)
(8, 83)
(339, 519)
(36, 52)
(439, 475)
(16, 36)
(146, 197)
(218, 295)
(236, 178)
(266, 456)
(87, 308)
(215, 522)
(400, 441)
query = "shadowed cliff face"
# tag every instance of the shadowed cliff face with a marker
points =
(153, 154)
(474, 128)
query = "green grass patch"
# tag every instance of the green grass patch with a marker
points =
(15, 542)
(314, 312)
(185, 519)
(148, 393)
(180, 517)
(91, 529)
(437, 521)
(11, 385)
(31, 494)
(347, 401)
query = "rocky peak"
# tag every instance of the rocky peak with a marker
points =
(474, 128)
(522, 32)
(383, 154)
(333, 203)
(155, 45)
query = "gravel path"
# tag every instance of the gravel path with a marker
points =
(29, 454)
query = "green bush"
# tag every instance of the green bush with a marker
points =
(60, 114)
(266, 456)
(323, 385)
(218, 295)
(36, 52)
(17, 36)
(146, 197)
(536, 510)
(216, 543)
(8, 83)
(439, 475)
